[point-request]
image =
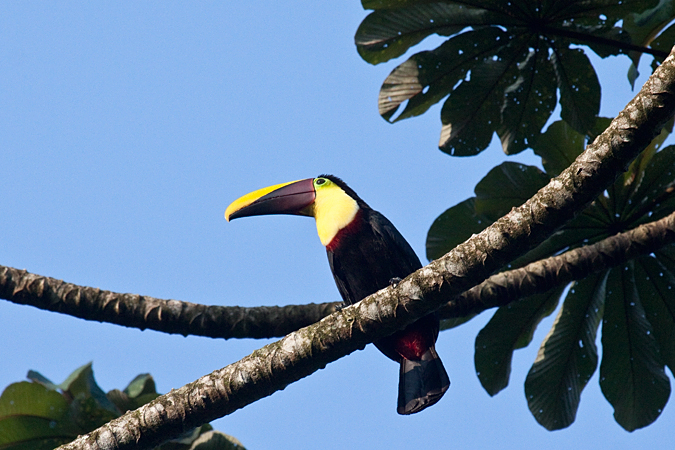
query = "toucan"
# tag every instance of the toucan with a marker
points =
(366, 253)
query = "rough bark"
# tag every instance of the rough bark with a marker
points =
(173, 316)
(541, 276)
(144, 312)
(300, 353)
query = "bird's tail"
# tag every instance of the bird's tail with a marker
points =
(421, 383)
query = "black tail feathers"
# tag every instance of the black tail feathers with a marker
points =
(421, 383)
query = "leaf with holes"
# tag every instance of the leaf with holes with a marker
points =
(568, 357)
(655, 279)
(492, 85)
(528, 103)
(579, 88)
(388, 33)
(427, 77)
(472, 113)
(632, 375)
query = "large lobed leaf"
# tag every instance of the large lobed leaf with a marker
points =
(579, 88)
(506, 186)
(632, 375)
(500, 67)
(567, 357)
(389, 33)
(643, 27)
(529, 102)
(655, 278)
(639, 308)
(427, 77)
(34, 417)
(511, 328)
(41, 415)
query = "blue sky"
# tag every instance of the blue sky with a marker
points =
(126, 128)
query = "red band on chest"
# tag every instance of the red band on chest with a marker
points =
(352, 228)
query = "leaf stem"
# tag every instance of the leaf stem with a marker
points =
(545, 29)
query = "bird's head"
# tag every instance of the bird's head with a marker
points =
(326, 198)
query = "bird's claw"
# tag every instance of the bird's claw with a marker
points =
(394, 281)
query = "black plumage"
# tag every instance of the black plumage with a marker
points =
(366, 253)
(365, 256)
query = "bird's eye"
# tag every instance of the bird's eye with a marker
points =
(320, 181)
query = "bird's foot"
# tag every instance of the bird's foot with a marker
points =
(394, 281)
(340, 306)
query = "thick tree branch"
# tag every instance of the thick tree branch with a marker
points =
(173, 316)
(541, 276)
(299, 354)
(169, 316)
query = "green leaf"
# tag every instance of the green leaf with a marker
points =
(447, 324)
(453, 227)
(638, 167)
(81, 384)
(632, 75)
(141, 385)
(472, 112)
(579, 88)
(391, 4)
(34, 417)
(644, 26)
(600, 12)
(486, 83)
(663, 42)
(568, 356)
(140, 391)
(655, 280)
(645, 193)
(389, 33)
(584, 229)
(90, 408)
(647, 203)
(427, 77)
(510, 328)
(529, 102)
(461, 221)
(558, 147)
(632, 376)
(666, 255)
(24, 398)
(506, 186)
(592, 23)
(215, 440)
(39, 378)
(74, 380)
(608, 34)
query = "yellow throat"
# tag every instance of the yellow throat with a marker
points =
(333, 209)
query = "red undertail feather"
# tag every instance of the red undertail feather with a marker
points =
(413, 343)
